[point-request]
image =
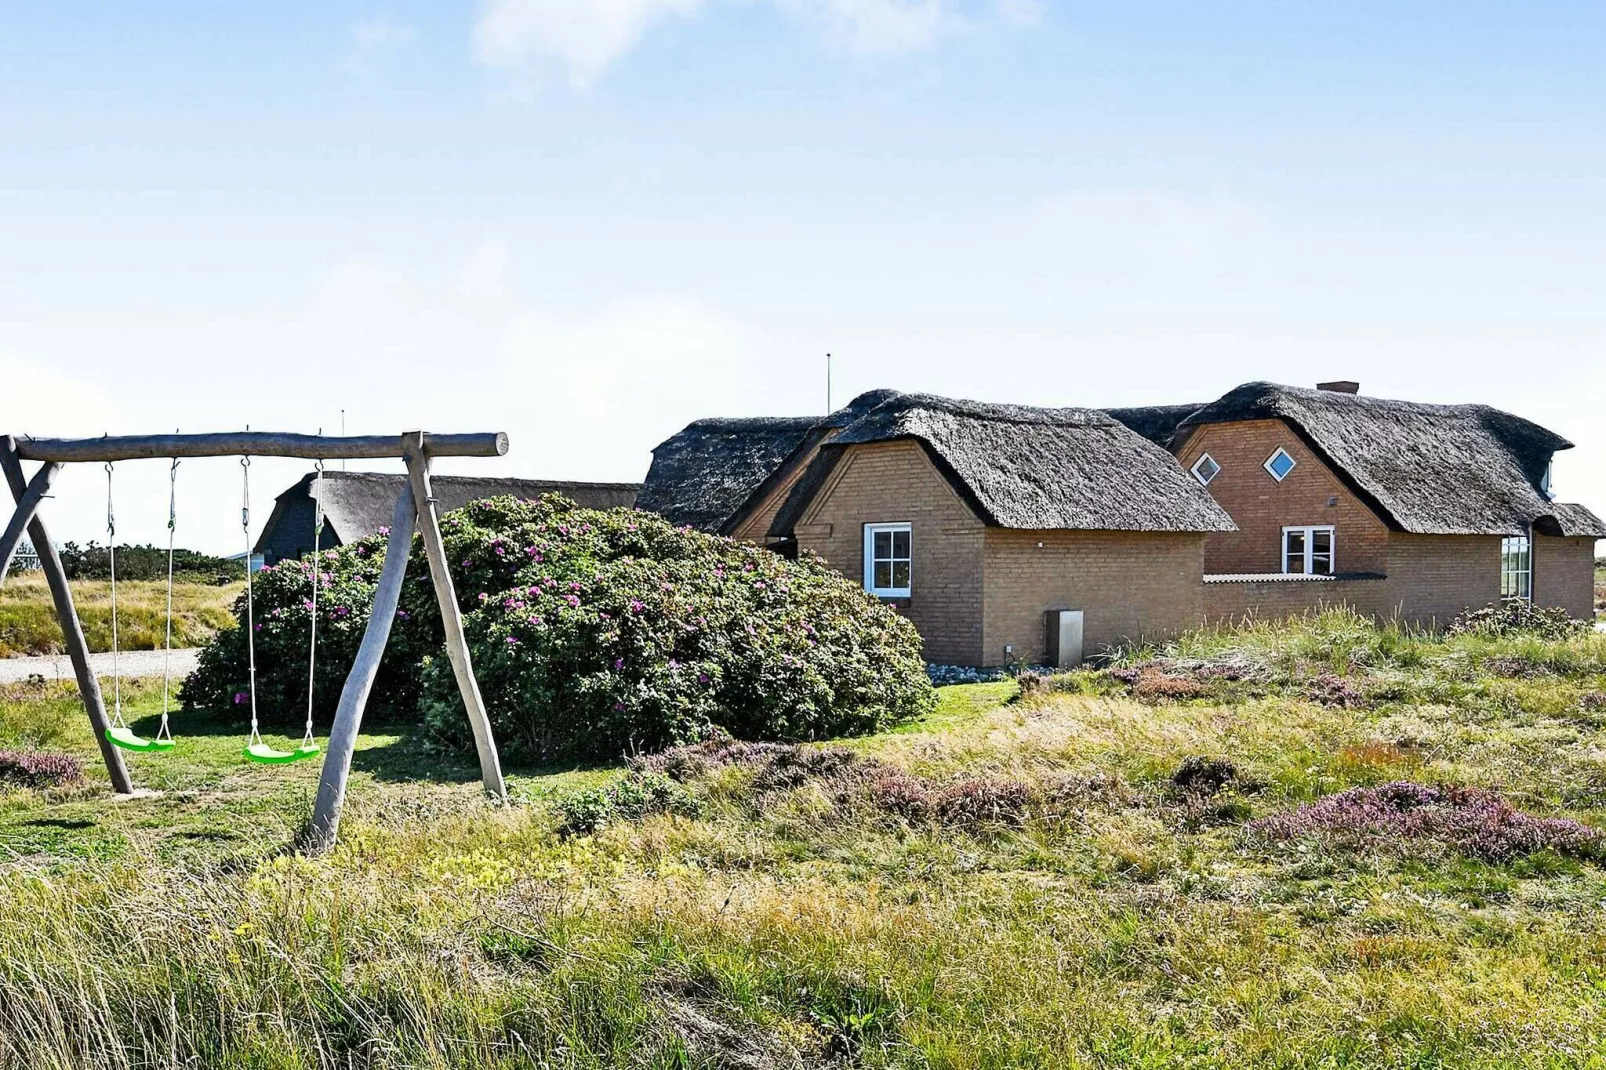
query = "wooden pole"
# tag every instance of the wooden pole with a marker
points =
(253, 444)
(38, 487)
(67, 614)
(325, 823)
(413, 450)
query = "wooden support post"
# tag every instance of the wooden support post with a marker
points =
(67, 614)
(414, 450)
(354, 696)
(27, 506)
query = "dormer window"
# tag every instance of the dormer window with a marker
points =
(1205, 469)
(1279, 464)
(1544, 481)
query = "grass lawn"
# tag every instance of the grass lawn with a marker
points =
(1112, 919)
(28, 617)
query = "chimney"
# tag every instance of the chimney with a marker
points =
(1341, 386)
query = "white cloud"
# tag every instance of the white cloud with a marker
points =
(372, 42)
(382, 33)
(578, 390)
(484, 272)
(880, 27)
(585, 35)
(1021, 12)
(1115, 231)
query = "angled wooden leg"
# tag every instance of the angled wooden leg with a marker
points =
(67, 614)
(27, 506)
(456, 642)
(354, 696)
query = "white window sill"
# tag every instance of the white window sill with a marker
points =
(1268, 577)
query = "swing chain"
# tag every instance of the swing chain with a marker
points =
(250, 596)
(111, 560)
(165, 733)
(312, 646)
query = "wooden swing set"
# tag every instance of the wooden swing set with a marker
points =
(415, 504)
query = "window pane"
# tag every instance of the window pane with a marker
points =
(900, 544)
(883, 545)
(900, 574)
(883, 575)
(1321, 564)
(1294, 551)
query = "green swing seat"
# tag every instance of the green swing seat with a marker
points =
(267, 754)
(128, 739)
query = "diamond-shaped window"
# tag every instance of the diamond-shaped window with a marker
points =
(1205, 469)
(1280, 464)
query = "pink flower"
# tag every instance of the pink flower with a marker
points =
(240, 697)
(637, 605)
(618, 663)
(573, 599)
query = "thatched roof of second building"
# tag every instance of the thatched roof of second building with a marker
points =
(1030, 468)
(712, 472)
(1427, 469)
(356, 504)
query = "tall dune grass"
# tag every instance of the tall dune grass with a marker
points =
(28, 622)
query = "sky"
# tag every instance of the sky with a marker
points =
(588, 222)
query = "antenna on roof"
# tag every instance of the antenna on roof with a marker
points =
(342, 434)
(828, 383)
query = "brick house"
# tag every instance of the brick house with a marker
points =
(1393, 507)
(982, 523)
(997, 527)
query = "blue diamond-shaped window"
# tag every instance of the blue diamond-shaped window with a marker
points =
(1280, 464)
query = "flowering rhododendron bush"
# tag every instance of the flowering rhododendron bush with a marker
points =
(593, 633)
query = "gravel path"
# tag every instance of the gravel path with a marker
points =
(131, 662)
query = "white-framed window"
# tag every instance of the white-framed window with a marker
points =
(1279, 464)
(1516, 568)
(1205, 469)
(1545, 481)
(1309, 550)
(888, 559)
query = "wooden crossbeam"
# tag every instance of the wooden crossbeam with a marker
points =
(253, 444)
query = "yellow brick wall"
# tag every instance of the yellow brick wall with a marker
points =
(1261, 506)
(1129, 585)
(1431, 580)
(895, 482)
(1435, 577)
(1564, 574)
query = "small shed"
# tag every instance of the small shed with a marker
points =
(356, 504)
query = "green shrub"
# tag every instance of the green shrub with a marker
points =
(631, 799)
(1518, 617)
(593, 634)
(147, 562)
(600, 633)
(283, 619)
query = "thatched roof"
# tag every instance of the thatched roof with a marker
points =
(356, 504)
(712, 472)
(1427, 469)
(1157, 423)
(1030, 468)
(705, 473)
